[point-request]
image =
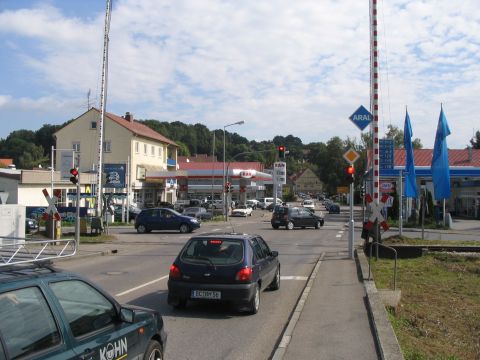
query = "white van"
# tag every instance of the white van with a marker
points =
(264, 202)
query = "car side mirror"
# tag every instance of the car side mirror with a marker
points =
(274, 253)
(127, 315)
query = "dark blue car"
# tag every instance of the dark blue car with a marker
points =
(232, 268)
(164, 219)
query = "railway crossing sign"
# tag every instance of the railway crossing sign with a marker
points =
(51, 210)
(376, 212)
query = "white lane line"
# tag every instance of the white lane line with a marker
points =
(302, 278)
(338, 235)
(141, 286)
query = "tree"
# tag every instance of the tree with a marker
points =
(475, 141)
(396, 134)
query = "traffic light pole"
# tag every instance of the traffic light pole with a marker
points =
(77, 218)
(351, 235)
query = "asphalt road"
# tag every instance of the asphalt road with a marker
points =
(138, 272)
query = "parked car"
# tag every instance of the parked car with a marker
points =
(46, 313)
(198, 212)
(214, 204)
(164, 219)
(292, 217)
(233, 268)
(242, 210)
(308, 203)
(334, 208)
(31, 225)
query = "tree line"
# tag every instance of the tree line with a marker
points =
(30, 149)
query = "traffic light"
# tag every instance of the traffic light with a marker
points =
(281, 152)
(350, 174)
(74, 177)
(228, 187)
(362, 191)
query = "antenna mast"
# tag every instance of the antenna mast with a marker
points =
(102, 108)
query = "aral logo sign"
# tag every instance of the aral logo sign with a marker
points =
(115, 350)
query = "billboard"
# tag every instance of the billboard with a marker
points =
(114, 175)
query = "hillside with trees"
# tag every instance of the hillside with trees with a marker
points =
(30, 149)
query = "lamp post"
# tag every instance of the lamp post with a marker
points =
(225, 209)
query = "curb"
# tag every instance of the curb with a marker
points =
(387, 341)
(295, 316)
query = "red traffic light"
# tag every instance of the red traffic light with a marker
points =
(281, 152)
(74, 177)
(74, 172)
(351, 170)
(281, 148)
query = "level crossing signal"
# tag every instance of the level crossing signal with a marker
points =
(350, 177)
(74, 177)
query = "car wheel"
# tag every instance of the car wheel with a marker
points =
(317, 225)
(275, 227)
(322, 222)
(290, 225)
(184, 228)
(141, 229)
(154, 351)
(254, 304)
(275, 285)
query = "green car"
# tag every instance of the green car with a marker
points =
(47, 313)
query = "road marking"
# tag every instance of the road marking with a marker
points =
(141, 286)
(303, 278)
(338, 235)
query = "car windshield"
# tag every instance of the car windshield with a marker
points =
(213, 251)
(308, 202)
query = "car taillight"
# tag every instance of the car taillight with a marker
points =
(244, 274)
(175, 272)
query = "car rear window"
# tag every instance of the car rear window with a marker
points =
(213, 251)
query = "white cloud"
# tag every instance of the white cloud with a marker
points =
(284, 67)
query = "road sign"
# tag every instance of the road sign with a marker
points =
(351, 156)
(51, 210)
(361, 117)
(376, 212)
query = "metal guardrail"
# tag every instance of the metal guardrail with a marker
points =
(394, 266)
(22, 251)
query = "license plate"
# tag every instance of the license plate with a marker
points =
(206, 294)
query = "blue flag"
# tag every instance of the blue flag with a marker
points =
(410, 176)
(440, 166)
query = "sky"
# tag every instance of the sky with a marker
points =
(283, 67)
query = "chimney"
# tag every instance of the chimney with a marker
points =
(470, 154)
(129, 117)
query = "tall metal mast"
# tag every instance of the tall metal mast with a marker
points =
(103, 96)
(374, 81)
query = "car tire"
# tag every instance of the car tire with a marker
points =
(290, 225)
(275, 285)
(254, 303)
(184, 228)
(317, 225)
(275, 227)
(322, 222)
(154, 351)
(141, 229)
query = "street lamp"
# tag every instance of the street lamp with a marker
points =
(224, 193)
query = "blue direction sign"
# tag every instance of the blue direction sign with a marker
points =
(361, 117)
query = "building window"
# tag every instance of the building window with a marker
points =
(145, 149)
(107, 146)
(159, 151)
(153, 150)
(93, 125)
(137, 147)
(76, 147)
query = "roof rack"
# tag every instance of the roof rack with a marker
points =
(21, 251)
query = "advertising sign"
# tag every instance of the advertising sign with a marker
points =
(280, 172)
(114, 175)
(66, 163)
